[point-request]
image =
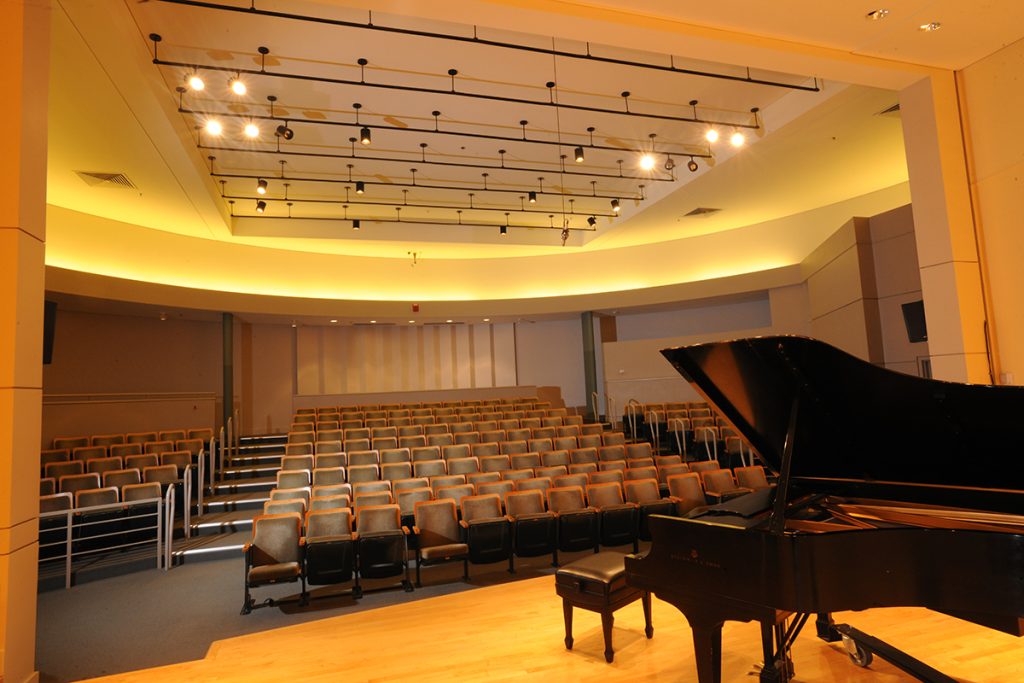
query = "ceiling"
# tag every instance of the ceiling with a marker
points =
(818, 152)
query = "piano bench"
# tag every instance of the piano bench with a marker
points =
(598, 583)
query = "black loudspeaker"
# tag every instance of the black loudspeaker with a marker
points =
(49, 323)
(913, 318)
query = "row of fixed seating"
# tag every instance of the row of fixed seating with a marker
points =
(321, 540)
(88, 454)
(542, 438)
(75, 482)
(69, 442)
(503, 403)
(179, 459)
(511, 420)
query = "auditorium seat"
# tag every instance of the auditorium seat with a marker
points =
(533, 483)
(521, 434)
(410, 430)
(350, 445)
(752, 477)
(521, 461)
(407, 499)
(395, 471)
(566, 443)
(534, 528)
(612, 453)
(578, 523)
(585, 468)
(435, 429)
(592, 429)
(429, 468)
(411, 483)
(589, 441)
(84, 453)
(305, 448)
(513, 475)
(56, 470)
(446, 480)
(719, 486)
(495, 463)
(328, 476)
(612, 466)
(665, 460)
(550, 471)
(106, 440)
(330, 547)
(619, 519)
(412, 441)
(540, 445)
(638, 450)
(634, 473)
(555, 458)
(581, 456)
(290, 479)
(157, 447)
(382, 544)
(330, 435)
(485, 449)
(70, 442)
(395, 455)
(165, 475)
(71, 483)
(328, 447)
(180, 460)
(329, 502)
(280, 507)
(613, 439)
(497, 487)
(456, 492)
(363, 457)
(466, 437)
(463, 466)
(384, 442)
(193, 446)
(437, 536)
(704, 465)
(441, 439)
(426, 453)
(121, 478)
(367, 499)
(172, 435)
(53, 455)
(47, 486)
(571, 479)
(482, 477)
(274, 555)
(647, 495)
(513, 447)
(457, 451)
(101, 465)
(605, 477)
(686, 492)
(487, 532)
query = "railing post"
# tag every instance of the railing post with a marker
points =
(220, 449)
(67, 550)
(187, 495)
(160, 536)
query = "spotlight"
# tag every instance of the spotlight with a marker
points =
(238, 86)
(195, 82)
(364, 136)
(579, 155)
(647, 162)
(261, 186)
(283, 131)
(261, 206)
(711, 135)
(592, 221)
(670, 163)
(533, 197)
(692, 165)
(503, 230)
(565, 235)
(213, 127)
(737, 139)
(356, 224)
(251, 130)
(360, 187)
(615, 206)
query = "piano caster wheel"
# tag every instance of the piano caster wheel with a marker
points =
(859, 655)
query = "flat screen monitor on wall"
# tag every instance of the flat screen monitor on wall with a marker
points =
(49, 322)
(913, 318)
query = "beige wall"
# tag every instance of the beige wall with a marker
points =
(992, 99)
(550, 352)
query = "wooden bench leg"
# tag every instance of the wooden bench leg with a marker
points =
(648, 628)
(607, 619)
(567, 612)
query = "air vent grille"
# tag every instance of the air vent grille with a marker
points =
(701, 211)
(894, 110)
(98, 179)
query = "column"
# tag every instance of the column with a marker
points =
(589, 361)
(24, 47)
(944, 226)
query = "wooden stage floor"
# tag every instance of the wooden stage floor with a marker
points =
(514, 631)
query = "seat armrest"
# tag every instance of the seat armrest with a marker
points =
(247, 547)
(463, 525)
(405, 530)
(355, 536)
(415, 531)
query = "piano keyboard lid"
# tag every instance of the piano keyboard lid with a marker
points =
(859, 423)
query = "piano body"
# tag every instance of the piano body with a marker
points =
(893, 490)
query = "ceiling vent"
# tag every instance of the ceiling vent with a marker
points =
(701, 211)
(894, 111)
(106, 180)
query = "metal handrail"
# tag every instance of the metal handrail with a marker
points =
(652, 426)
(201, 484)
(597, 410)
(714, 440)
(186, 476)
(631, 410)
(169, 526)
(69, 526)
(220, 450)
(609, 406)
(213, 460)
(680, 443)
(230, 442)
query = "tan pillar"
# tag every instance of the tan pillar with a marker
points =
(24, 48)
(946, 246)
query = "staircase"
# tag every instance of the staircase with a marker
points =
(224, 524)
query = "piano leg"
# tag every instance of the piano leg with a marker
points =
(648, 627)
(769, 672)
(567, 612)
(707, 649)
(826, 627)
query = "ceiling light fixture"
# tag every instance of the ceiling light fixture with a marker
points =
(670, 163)
(615, 206)
(565, 236)
(373, 322)
(487, 320)
(261, 186)
(532, 196)
(737, 139)
(364, 136)
(283, 131)
(692, 165)
(711, 135)
(877, 14)
(592, 221)
(238, 85)
(261, 206)
(578, 155)
(213, 127)
(360, 187)
(412, 322)
(503, 231)
(647, 162)
(196, 82)
(356, 224)
(251, 130)
(334, 320)
(930, 26)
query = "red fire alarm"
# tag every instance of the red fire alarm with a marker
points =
(415, 308)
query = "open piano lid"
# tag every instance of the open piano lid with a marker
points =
(862, 429)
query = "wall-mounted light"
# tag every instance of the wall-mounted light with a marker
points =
(261, 186)
(615, 206)
(360, 187)
(261, 206)
(364, 136)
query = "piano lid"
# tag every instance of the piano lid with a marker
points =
(858, 422)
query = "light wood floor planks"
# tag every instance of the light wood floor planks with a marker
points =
(514, 631)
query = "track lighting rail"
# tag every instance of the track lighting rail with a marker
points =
(476, 40)
(417, 221)
(453, 207)
(457, 93)
(453, 164)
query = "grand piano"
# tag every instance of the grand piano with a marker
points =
(892, 490)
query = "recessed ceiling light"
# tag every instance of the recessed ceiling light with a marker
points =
(930, 26)
(373, 322)
(875, 15)
(412, 322)
(447, 321)
(487, 320)
(334, 320)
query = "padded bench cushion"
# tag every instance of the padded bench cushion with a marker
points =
(600, 572)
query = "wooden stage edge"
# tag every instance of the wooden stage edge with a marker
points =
(514, 631)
